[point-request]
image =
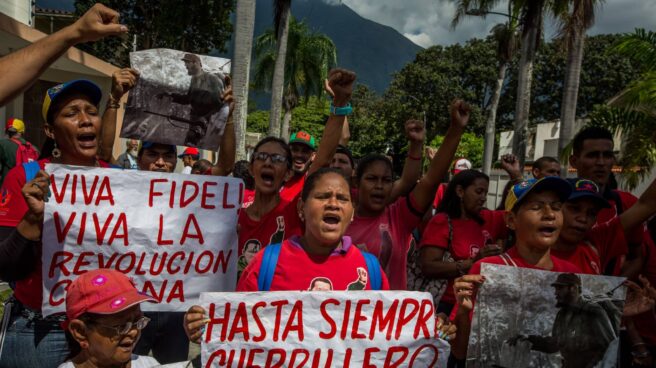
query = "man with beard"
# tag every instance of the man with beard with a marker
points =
(128, 159)
(303, 147)
(582, 330)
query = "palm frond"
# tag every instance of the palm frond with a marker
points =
(640, 95)
(639, 46)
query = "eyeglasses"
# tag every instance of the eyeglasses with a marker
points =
(140, 324)
(275, 157)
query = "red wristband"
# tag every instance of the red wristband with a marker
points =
(416, 158)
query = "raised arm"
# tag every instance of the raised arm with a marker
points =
(21, 68)
(510, 164)
(228, 147)
(415, 132)
(640, 212)
(340, 85)
(346, 133)
(123, 80)
(424, 192)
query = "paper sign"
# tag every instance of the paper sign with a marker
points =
(173, 234)
(533, 318)
(321, 329)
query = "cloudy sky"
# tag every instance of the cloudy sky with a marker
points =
(427, 22)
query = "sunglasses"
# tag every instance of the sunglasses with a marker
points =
(122, 330)
(275, 157)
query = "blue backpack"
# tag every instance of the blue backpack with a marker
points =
(270, 261)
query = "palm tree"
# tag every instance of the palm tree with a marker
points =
(244, 24)
(531, 21)
(309, 57)
(633, 110)
(573, 27)
(281, 13)
(505, 36)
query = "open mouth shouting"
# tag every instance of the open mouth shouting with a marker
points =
(87, 140)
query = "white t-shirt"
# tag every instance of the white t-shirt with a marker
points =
(138, 361)
(186, 170)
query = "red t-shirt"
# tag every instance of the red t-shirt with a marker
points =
(12, 209)
(292, 188)
(559, 265)
(468, 237)
(249, 197)
(603, 243)
(387, 236)
(274, 227)
(646, 322)
(344, 269)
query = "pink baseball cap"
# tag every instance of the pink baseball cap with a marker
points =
(102, 291)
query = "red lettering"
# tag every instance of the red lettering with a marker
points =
(415, 355)
(161, 241)
(214, 320)
(177, 291)
(184, 200)
(366, 363)
(105, 192)
(296, 315)
(295, 354)
(276, 325)
(83, 225)
(426, 315)
(240, 323)
(226, 205)
(404, 317)
(149, 289)
(199, 260)
(61, 234)
(131, 257)
(100, 233)
(222, 261)
(251, 357)
(121, 224)
(221, 355)
(59, 195)
(186, 234)
(206, 195)
(88, 196)
(258, 322)
(327, 318)
(139, 269)
(347, 314)
(63, 284)
(60, 263)
(172, 196)
(81, 262)
(282, 354)
(383, 320)
(162, 257)
(317, 358)
(390, 355)
(110, 261)
(152, 194)
(347, 358)
(357, 318)
(169, 265)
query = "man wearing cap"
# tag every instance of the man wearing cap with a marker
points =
(582, 329)
(15, 150)
(303, 147)
(189, 158)
(203, 95)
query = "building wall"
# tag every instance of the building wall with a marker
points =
(21, 10)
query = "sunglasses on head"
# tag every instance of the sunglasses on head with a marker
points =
(275, 157)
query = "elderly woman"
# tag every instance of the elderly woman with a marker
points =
(73, 128)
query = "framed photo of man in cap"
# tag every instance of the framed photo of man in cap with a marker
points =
(534, 318)
(177, 99)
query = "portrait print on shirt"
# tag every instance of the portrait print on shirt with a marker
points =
(178, 99)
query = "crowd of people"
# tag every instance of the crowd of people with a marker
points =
(333, 221)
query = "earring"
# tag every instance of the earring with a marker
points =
(56, 152)
(300, 216)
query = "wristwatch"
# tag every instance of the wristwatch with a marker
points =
(341, 111)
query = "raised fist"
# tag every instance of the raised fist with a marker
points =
(339, 85)
(459, 110)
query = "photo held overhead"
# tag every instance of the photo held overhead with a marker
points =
(173, 234)
(322, 329)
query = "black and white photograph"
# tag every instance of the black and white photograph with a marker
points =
(177, 99)
(534, 318)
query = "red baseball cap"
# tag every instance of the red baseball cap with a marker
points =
(102, 291)
(191, 151)
(16, 124)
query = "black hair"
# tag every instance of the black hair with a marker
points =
(450, 204)
(539, 163)
(241, 171)
(282, 144)
(593, 132)
(201, 166)
(369, 160)
(344, 150)
(312, 179)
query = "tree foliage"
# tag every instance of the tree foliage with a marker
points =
(197, 26)
(310, 117)
(470, 147)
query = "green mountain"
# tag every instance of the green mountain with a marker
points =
(372, 50)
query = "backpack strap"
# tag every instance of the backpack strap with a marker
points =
(31, 169)
(373, 267)
(268, 266)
